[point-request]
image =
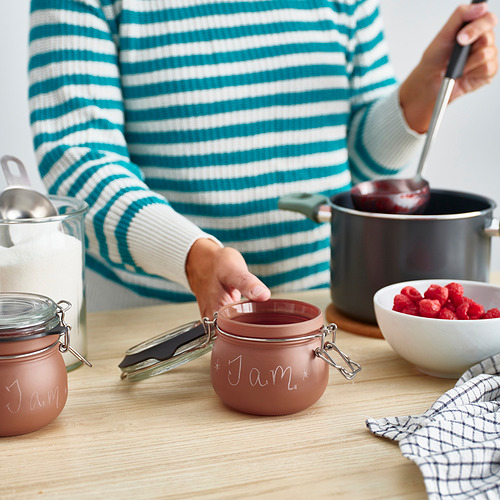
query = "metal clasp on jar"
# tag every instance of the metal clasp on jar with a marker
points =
(64, 338)
(322, 352)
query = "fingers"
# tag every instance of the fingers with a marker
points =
(211, 302)
(418, 92)
(482, 64)
(473, 25)
(477, 19)
(219, 276)
(462, 14)
(470, 12)
(252, 288)
(237, 277)
(477, 28)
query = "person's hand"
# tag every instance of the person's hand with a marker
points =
(218, 276)
(418, 92)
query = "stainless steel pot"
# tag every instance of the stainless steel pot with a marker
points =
(450, 240)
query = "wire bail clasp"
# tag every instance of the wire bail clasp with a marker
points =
(64, 342)
(322, 352)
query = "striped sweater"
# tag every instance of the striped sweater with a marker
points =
(181, 119)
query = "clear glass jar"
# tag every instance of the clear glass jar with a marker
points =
(33, 377)
(46, 256)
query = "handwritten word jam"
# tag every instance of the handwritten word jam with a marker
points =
(237, 372)
(17, 399)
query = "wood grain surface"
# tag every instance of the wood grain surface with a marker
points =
(171, 437)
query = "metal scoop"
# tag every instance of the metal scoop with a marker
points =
(410, 196)
(19, 200)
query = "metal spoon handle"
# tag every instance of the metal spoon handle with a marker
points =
(14, 179)
(454, 70)
(437, 115)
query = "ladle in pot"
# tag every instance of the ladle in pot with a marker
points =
(19, 200)
(410, 196)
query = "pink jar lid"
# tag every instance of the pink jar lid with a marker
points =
(274, 318)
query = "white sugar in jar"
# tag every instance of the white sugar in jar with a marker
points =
(48, 258)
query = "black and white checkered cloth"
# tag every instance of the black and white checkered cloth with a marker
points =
(456, 443)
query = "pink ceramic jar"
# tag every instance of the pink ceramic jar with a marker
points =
(33, 379)
(269, 357)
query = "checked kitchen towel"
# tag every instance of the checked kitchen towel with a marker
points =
(456, 443)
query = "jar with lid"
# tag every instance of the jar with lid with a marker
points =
(271, 358)
(268, 358)
(33, 378)
(46, 256)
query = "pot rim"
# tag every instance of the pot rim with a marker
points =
(413, 217)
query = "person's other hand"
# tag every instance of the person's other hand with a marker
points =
(418, 92)
(219, 276)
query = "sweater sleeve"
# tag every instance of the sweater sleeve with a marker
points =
(77, 120)
(380, 142)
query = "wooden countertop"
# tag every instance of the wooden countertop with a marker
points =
(171, 437)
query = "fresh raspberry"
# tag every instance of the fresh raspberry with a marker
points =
(447, 302)
(400, 302)
(436, 292)
(492, 313)
(450, 305)
(446, 313)
(463, 310)
(476, 311)
(455, 292)
(412, 293)
(460, 299)
(411, 309)
(429, 308)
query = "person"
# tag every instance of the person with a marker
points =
(181, 123)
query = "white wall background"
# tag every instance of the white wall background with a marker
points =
(466, 154)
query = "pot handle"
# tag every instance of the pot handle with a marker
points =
(493, 229)
(313, 206)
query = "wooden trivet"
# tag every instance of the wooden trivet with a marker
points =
(333, 315)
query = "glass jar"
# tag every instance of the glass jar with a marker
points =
(33, 378)
(268, 358)
(46, 256)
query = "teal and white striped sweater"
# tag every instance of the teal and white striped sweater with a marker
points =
(178, 119)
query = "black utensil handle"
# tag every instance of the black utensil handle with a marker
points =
(459, 56)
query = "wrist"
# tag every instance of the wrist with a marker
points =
(417, 96)
(200, 258)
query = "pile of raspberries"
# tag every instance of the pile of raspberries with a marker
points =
(443, 302)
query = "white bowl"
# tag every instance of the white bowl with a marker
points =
(440, 347)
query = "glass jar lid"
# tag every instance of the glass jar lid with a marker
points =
(167, 351)
(26, 315)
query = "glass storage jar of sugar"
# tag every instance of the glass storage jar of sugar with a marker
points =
(33, 378)
(46, 256)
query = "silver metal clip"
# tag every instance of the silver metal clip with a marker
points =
(210, 326)
(64, 346)
(322, 352)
